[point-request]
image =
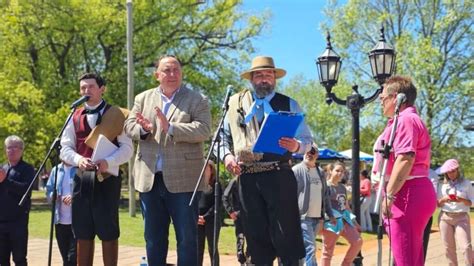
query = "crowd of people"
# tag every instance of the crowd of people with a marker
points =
(278, 207)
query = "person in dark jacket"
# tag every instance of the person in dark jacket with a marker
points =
(206, 216)
(231, 203)
(313, 201)
(15, 177)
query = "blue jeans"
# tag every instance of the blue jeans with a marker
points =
(310, 229)
(159, 206)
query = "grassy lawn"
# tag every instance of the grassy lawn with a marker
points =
(132, 227)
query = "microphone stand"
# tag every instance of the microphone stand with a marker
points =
(215, 140)
(55, 146)
(382, 186)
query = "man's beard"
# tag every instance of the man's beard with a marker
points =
(263, 89)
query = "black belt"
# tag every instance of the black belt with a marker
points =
(259, 167)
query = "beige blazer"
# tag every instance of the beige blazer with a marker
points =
(182, 152)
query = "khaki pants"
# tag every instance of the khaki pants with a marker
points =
(455, 227)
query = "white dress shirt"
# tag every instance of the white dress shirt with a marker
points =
(68, 143)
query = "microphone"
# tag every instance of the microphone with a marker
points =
(225, 104)
(401, 98)
(80, 101)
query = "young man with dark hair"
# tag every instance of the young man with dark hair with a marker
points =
(96, 192)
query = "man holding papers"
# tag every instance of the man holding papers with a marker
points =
(267, 183)
(96, 192)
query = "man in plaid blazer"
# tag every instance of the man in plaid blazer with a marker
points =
(170, 122)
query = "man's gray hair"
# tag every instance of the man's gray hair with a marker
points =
(14, 139)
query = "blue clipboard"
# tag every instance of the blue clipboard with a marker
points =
(274, 127)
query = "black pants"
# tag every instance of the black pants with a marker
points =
(271, 217)
(14, 241)
(96, 212)
(206, 231)
(242, 253)
(66, 243)
(426, 236)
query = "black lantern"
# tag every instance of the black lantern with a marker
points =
(382, 59)
(329, 66)
(382, 62)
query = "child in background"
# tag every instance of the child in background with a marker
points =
(346, 225)
(62, 212)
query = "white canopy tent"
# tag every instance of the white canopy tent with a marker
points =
(362, 155)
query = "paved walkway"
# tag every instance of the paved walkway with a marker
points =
(435, 254)
(38, 253)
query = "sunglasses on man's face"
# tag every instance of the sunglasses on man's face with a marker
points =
(312, 151)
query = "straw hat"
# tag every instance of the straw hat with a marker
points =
(263, 63)
(448, 166)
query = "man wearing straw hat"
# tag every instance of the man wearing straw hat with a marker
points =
(267, 183)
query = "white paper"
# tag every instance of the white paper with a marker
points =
(103, 149)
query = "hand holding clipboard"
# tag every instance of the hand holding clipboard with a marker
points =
(274, 127)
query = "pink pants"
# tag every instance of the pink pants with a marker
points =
(329, 242)
(411, 210)
(456, 227)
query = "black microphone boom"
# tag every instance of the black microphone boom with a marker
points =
(228, 93)
(80, 101)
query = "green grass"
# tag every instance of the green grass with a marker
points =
(131, 228)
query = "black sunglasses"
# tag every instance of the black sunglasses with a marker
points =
(312, 151)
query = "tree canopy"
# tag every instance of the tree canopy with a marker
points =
(46, 45)
(433, 41)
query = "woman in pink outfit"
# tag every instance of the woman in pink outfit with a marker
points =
(410, 197)
(455, 198)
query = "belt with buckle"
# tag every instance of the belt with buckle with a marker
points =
(259, 167)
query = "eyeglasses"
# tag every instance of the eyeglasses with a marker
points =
(383, 97)
(312, 151)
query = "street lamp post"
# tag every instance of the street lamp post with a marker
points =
(382, 62)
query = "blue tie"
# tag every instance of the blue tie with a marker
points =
(258, 103)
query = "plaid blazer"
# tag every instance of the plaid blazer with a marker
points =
(182, 152)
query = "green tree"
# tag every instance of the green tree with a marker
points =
(332, 124)
(433, 42)
(46, 45)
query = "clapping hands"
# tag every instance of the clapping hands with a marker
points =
(144, 123)
(148, 126)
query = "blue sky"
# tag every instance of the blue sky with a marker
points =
(293, 37)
